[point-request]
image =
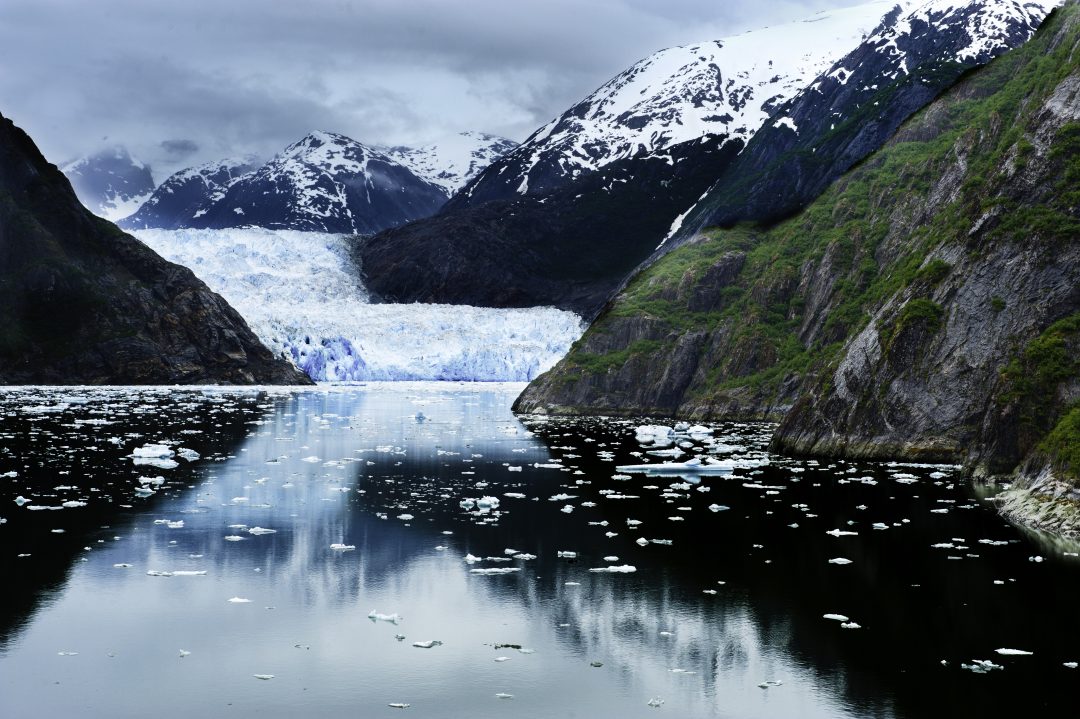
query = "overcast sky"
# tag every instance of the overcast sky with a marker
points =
(180, 81)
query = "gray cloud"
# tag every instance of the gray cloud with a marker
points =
(239, 76)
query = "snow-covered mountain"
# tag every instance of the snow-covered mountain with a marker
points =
(572, 244)
(721, 87)
(854, 106)
(299, 294)
(453, 161)
(111, 183)
(325, 182)
(188, 193)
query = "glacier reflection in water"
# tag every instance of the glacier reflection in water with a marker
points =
(736, 600)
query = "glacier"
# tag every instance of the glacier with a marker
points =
(301, 295)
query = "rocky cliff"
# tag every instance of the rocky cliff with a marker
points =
(925, 307)
(85, 303)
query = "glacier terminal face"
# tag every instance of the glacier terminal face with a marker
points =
(302, 298)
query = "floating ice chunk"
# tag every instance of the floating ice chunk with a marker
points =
(655, 702)
(428, 644)
(642, 541)
(184, 653)
(152, 451)
(470, 559)
(342, 547)
(615, 569)
(261, 530)
(487, 502)
(525, 556)
(850, 625)
(841, 533)
(770, 683)
(264, 677)
(502, 659)
(567, 555)
(189, 454)
(1070, 665)
(836, 617)
(981, 666)
(178, 524)
(567, 509)
(503, 695)
(394, 618)
(1014, 652)
(495, 570)
(67, 654)
(234, 538)
(840, 560)
(398, 705)
(611, 559)
(405, 517)
(72, 504)
(646, 431)
(561, 497)
(239, 600)
(311, 460)
(121, 566)
(189, 573)
(156, 481)
(21, 500)
(514, 495)
(467, 503)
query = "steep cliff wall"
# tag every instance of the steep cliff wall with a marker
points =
(924, 307)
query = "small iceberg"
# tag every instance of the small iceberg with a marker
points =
(394, 618)
(427, 644)
(692, 466)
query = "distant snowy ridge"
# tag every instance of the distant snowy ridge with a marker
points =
(453, 161)
(299, 294)
(723, 87)
(111, 183)
(187, 195)
(324, 182)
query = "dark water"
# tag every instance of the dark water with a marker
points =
(736, 599)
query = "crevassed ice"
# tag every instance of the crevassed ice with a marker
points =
(301, 296)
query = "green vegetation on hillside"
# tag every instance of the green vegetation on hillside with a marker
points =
(850, 234)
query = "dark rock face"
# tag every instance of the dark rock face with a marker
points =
(186, 194)
(85, 303)
(110, 182)
(570, 248)
(926, 307)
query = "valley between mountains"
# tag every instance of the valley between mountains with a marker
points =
(862, 225)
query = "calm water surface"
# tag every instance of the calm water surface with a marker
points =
(113, 608)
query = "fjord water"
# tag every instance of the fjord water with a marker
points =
(736, 599)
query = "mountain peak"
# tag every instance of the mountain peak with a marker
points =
(110, 182)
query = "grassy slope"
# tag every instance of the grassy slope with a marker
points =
(847, 227)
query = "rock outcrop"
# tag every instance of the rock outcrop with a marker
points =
(84, 303)
(926, 307)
